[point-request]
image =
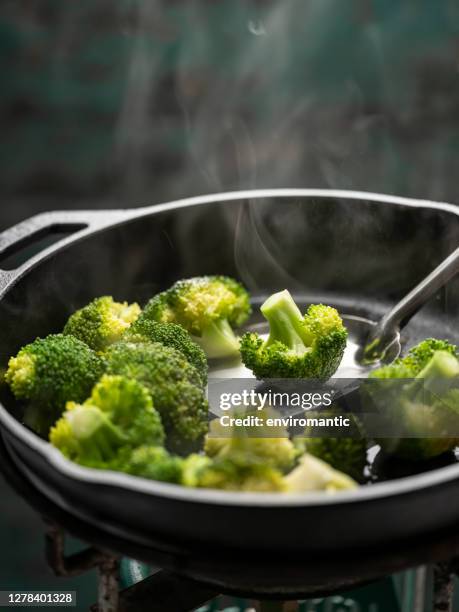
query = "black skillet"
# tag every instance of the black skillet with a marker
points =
(361, 252)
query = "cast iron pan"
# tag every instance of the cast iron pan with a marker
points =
(252, 573)
(359, 251)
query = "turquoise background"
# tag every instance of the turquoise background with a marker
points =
(122, 103)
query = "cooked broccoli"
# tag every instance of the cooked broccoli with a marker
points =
(118, 414)
(416, 359)
(174, 385)
(235, 473)
(441, 417)
(129, 406)
(169, 334)
(297, 347)
(349, 455)
(277, 452)
(102, 322)
(426, 401)
(86, 435)
(206, 306)
(54, 370)
(153, 462)
(38, 420)
(313, 474)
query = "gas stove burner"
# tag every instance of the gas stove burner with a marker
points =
(170, 589)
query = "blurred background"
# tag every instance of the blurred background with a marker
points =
(124, 103)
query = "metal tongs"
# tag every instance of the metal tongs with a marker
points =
(386, 333)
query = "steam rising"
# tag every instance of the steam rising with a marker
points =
(261, 100)
(220, 96)
(258, 93)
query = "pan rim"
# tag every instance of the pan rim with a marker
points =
(373, 492)
(117, 217)
(91, 476)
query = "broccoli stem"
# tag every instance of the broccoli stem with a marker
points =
(285, 319)
(439, 373)
(95, 432)
(442, 364)
(218, 340)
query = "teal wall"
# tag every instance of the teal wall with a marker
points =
(126, 102)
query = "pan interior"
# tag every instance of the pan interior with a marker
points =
(355, 254)
(359, 317)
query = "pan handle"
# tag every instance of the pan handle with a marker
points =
(67, 226)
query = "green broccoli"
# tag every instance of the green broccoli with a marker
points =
(86, 435)
(297, 347)
(416, 359)
(441, 416)
(208, 307)
(313, 474)
(349, 455)
(423, 399)
(38, 420)
(153, 462)
(169, 334)
(276, 451)
(235, 473)
(174, 384)
(130, 407)
(118, 414)
(102, 322)
(53, 370)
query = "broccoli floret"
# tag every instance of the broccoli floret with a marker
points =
(169, 334)
(129, 406)
(425, 402)
(297, 347)
(235, 473)
(437, 375)
(442, 417)
(313, 474)
(153, 462)
(53, 370)
(86, 435)
(277, 452)
(416, 359)
(419, 355)
(102, 322)
(38, 420)
(349, 455)
(118, 414)
(209, 307)
(173, 383)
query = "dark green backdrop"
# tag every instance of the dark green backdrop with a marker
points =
(123, 102)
